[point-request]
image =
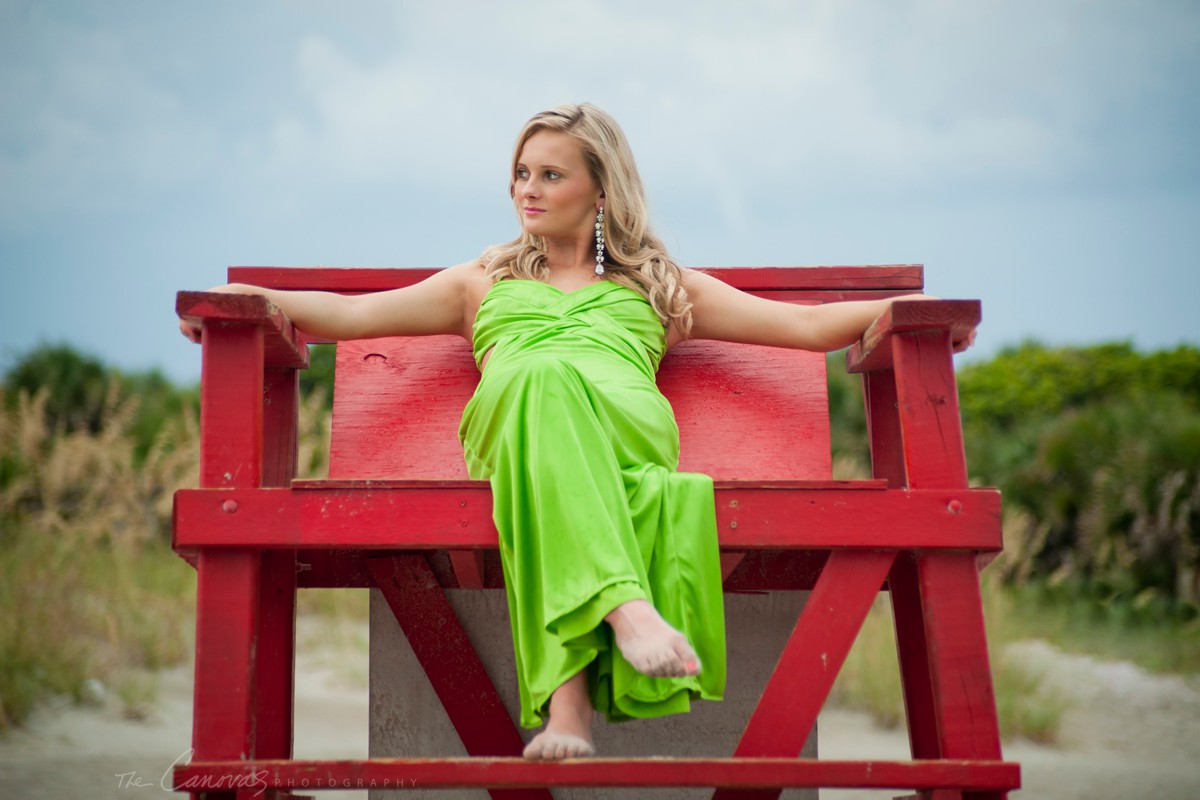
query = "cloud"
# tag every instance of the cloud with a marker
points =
(807, 99)
(89, 130)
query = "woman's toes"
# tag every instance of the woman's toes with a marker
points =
(547, 746)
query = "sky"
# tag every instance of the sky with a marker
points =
(1040, 156)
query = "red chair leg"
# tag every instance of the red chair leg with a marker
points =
(225, 693)
(276, 654)
(963, 698)
(913, 654)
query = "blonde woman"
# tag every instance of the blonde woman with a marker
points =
(610, 555)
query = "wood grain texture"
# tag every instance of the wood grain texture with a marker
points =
(231, 406)
(223, 719)
(927, 398)
(397, 404)
(629, 772)
(276, 635)
(896, 277)
(874, 351)
(883, 427)
(458, 516)
(274, 654)
(963, 698)
(741, 410)
(912, 650)
(283, 344)
(748, 411)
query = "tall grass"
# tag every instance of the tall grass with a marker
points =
(91, 594)
(870, 679)
(89, 588)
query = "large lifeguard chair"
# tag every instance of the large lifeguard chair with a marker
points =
(397, 514)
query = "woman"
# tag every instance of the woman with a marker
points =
(569, 322)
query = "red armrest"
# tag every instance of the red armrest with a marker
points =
(874, 351)
(284, 346)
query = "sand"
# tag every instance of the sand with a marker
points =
(1128, 734)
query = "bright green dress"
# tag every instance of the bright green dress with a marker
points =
(581, 449)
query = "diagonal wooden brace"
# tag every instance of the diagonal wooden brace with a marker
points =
(450, 661)
(811, 660)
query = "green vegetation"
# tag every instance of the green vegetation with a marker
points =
(91, 593)
(1097, 451)
(870, 679)
(88, 584)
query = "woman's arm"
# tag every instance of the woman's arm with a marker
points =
(435, 305)
(722, 312)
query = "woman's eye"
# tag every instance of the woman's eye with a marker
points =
(551, 175)
(522, 174)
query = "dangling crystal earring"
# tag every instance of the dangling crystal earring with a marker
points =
(600, 242)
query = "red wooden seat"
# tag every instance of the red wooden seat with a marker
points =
(399, 514)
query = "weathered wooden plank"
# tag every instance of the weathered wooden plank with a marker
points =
(397, 405)
(741, 410)
(280, 401)
(912, 652)
(373, 279)
(883, 427)
(963, 697)
(927, 396)
(757, 571)
(282, 342)
(629, 772)
(223, 719)
(274, 654)
(874, 351)
(460, 518)
(747, 410)
(276, 636)
(231, 392)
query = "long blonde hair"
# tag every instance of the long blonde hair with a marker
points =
(634, 256)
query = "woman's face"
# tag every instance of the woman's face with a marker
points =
(552, 188)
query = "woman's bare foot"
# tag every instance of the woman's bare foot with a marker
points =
(568, 734)
(651, 645)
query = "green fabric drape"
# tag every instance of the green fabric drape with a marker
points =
(581, 450)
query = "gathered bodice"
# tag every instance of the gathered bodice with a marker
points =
(602, 318)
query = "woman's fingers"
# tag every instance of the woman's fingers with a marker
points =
(190, 330)
(963, 344)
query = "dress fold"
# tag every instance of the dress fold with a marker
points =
(581, 451)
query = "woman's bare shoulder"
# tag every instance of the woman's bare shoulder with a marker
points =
(473, 283)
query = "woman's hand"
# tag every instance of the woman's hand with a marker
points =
(190, 331)
(962, 344)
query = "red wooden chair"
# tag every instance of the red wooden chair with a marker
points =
(397, 513)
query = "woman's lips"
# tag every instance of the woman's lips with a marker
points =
(530, 211)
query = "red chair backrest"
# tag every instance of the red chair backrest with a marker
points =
(745, 412)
